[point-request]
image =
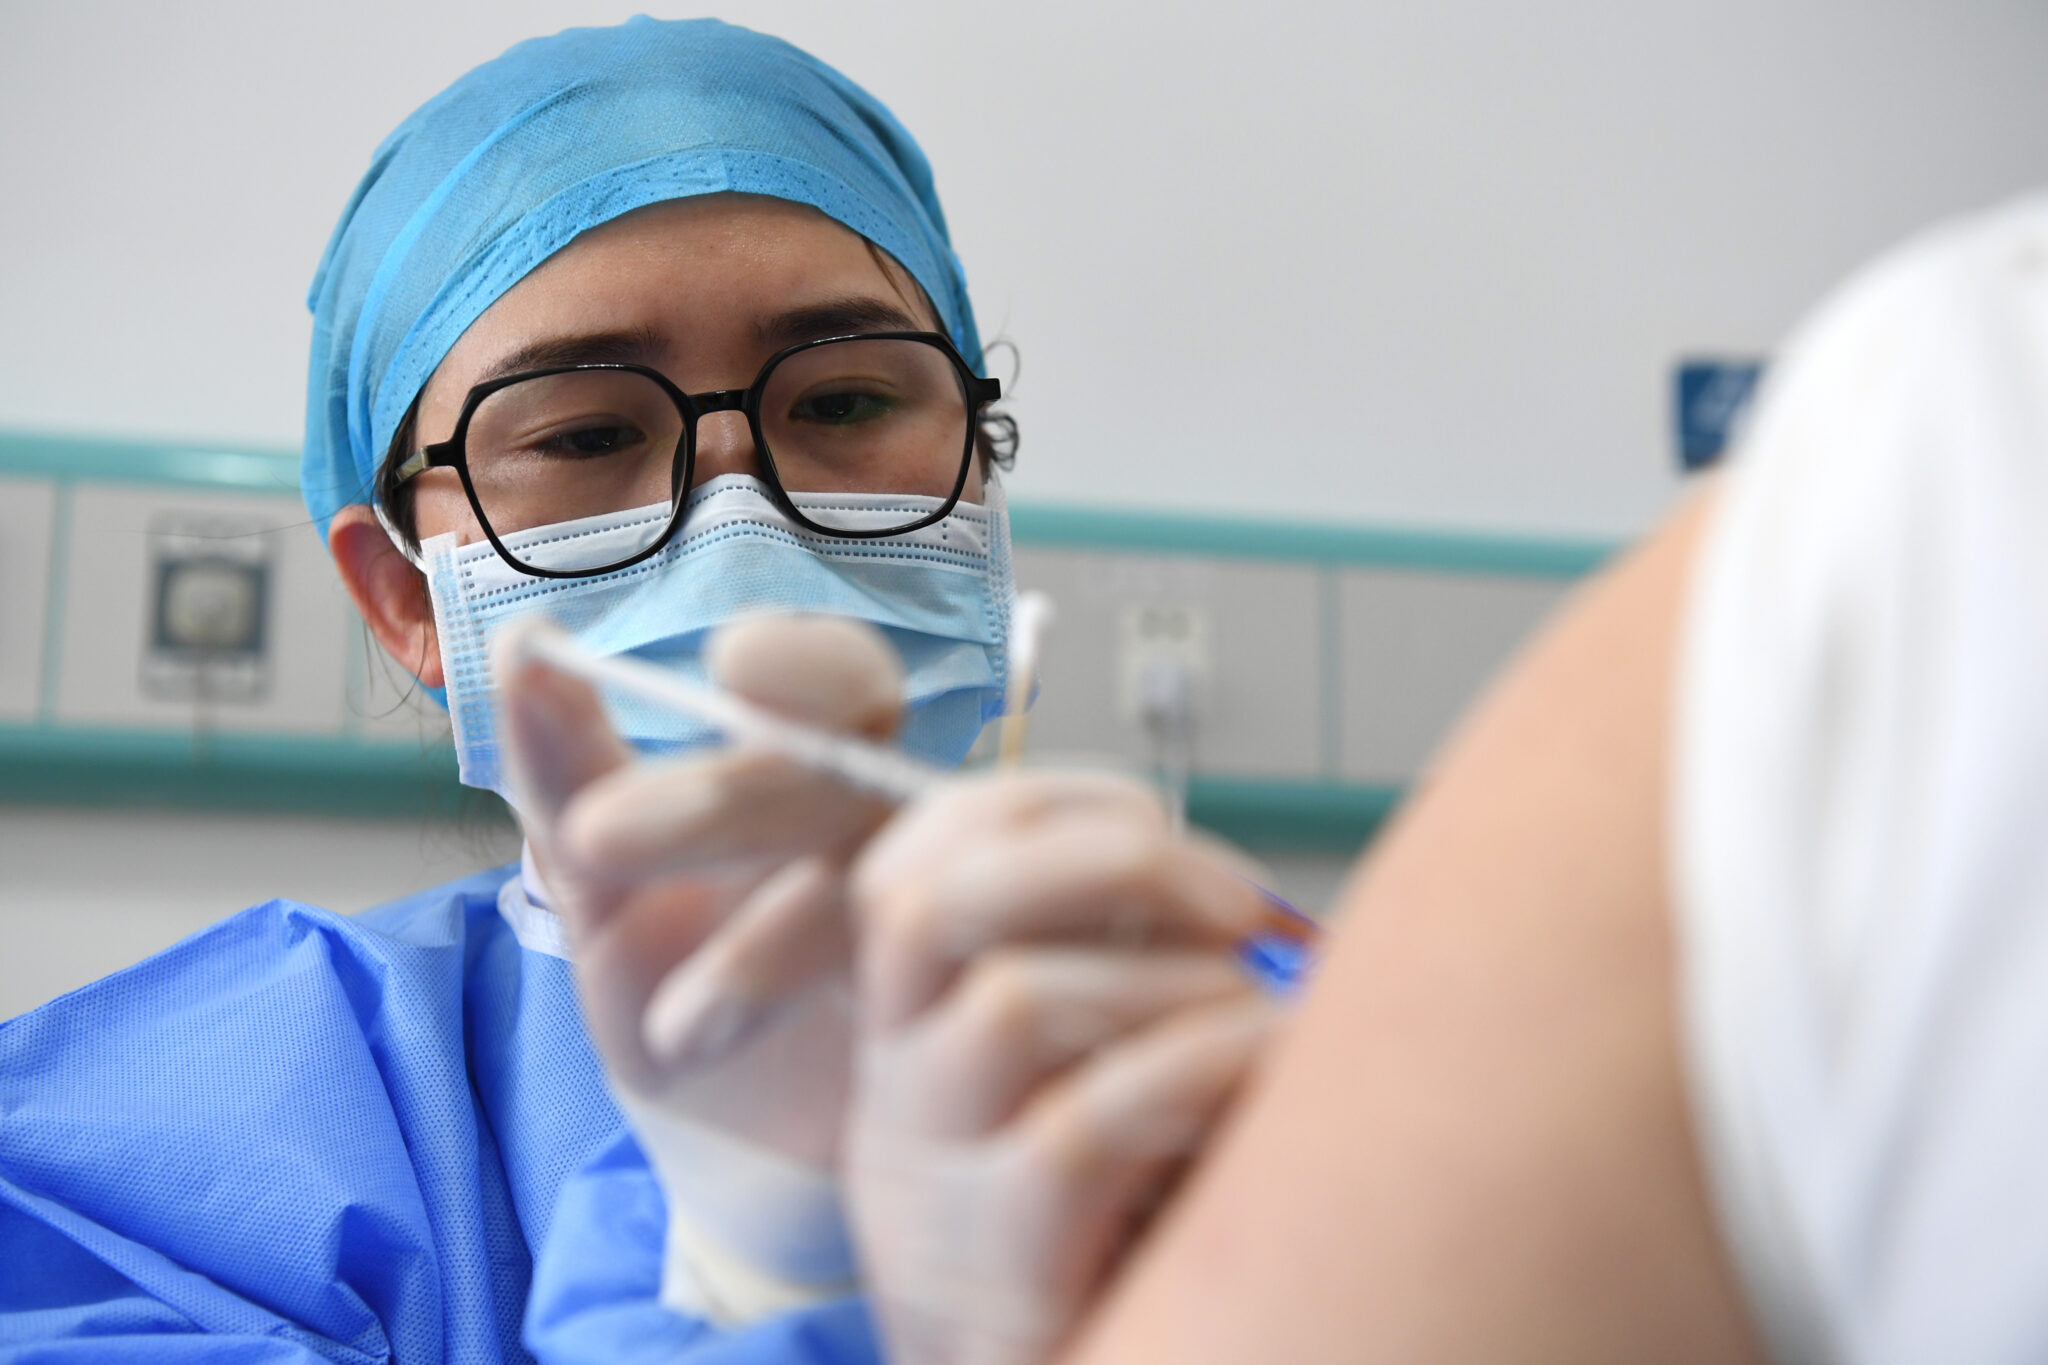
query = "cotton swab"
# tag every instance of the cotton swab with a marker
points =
(1028, 621)
(873, 768)
(883, 772)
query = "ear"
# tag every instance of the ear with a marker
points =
(389, 593)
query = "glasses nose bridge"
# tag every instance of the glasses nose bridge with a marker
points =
(725, 449)
(718, 400)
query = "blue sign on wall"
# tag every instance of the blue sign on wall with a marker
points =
(1710, 398)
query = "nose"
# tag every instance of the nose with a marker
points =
(725, 445)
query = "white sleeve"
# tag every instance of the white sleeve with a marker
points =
(1860, 816)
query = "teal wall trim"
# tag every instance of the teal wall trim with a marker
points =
(45, 765)
(193, 464)
(1306, 817)
(1105, 528)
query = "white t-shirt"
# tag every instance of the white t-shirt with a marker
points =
(1860, 812)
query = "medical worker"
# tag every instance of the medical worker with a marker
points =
(644, 329)
(1698, 1010)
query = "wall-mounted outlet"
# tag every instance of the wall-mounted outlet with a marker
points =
(1252, 639)
(209, 610)
(1165, 658)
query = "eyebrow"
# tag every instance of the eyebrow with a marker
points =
(835, 317)
(644, 346)
(634, 346)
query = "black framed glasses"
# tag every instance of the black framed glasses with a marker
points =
(571, 447)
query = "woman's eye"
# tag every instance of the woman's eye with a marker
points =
(601, 439)
(840, 409)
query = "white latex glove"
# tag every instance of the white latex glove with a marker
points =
(705, 901)
(1052, 1020)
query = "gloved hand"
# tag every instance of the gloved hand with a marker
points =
(1052, 1019)
(705, 900)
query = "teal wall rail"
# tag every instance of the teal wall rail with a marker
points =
(81, 459)
(1302, 542)
(42, 762)
(202, 770)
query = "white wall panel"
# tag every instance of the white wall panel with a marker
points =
(109, 587)
(27, 512)
(1416, 649)
(1260, 709)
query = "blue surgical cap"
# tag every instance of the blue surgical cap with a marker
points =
(508, 165)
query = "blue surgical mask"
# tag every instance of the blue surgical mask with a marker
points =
(942, 595)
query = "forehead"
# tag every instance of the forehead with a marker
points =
(688, 269)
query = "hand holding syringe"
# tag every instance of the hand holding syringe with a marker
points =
(793, 965)
(876, 769)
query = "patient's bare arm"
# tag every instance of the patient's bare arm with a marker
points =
(1474, 1143)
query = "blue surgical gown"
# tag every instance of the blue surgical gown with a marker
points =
(303, 1136)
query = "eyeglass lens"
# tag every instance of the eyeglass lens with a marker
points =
(884, 416)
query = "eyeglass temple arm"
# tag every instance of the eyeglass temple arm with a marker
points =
(437, 456)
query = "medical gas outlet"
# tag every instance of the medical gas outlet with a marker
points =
(210, 603)
(1165, 665)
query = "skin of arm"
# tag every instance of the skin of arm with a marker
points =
(1474, 1141)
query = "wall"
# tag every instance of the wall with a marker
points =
(1424, 264)
(1411, 263)
(84, 893)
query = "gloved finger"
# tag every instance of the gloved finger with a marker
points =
(1108, 1141)
(556, 738)
(555, 741)
(1154, 1094)
(1019, 1017)
(931, 828)
(791, 930)
(725, 810)
(996, 1245)
(828, 671)
(739, 807)
(621, 959)
(892, 878)
(1093, 875)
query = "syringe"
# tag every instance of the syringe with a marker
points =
(884, 772)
